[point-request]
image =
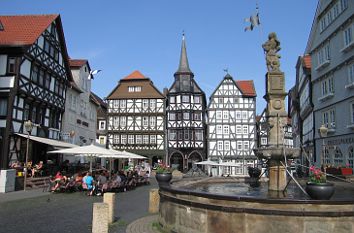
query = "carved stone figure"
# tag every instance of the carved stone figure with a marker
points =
(271, 47)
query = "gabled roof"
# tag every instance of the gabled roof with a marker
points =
(148, 90)
(77, 62)
(98, 99)
(135, 75)
(247, 88)
(22, 30)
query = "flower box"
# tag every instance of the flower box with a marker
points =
(346, 171)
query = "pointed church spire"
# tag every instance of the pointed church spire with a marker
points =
(183, 61)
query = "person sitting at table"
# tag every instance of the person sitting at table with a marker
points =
(59, 179)
(37, 168)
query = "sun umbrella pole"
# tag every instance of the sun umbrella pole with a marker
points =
(90, 164)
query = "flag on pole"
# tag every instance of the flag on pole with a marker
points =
(254, 20)
(92, 73)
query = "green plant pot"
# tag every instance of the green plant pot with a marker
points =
(164, 178)
(322, 191)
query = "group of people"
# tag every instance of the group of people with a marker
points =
(32, 170)
(99, 182)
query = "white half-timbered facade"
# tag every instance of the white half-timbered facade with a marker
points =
(136, 117)
(185, 111)
(34, 73)
(232, 126)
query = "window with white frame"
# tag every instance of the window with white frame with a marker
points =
(324, 55)
(153, 104)
(238, 115)
(172, 116)
(199, 135)
(115, 121)
(220, 145)
(152, 139)
(116, 139)
(219, 129)
(172, 99)
(145, 103)
(115, 103)
(130, 139)
(123, 121)
(139, 139)
(152, 121)
(197, 116)
(238, 129)
(146, 139)
(123, 139)
(329, 118)
(3, 106)
(244, 115)
(226, 129)
(225, 115)
(239, 145)
(197, 99)
(227, 146)
(332, 14)
(186, 134)
(102, 125)
(264, 141)
(246, 145)
(327, 86)
(326, 156)
(348, 36)
(351, 73)
(185, 98)
(145, 121)
(245, 129)
(123, 103)
(218, 115)
(131, 89)
(186, 116)
(172, 135)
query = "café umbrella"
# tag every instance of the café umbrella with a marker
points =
(87, 151)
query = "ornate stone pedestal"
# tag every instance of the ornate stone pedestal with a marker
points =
(277, 176)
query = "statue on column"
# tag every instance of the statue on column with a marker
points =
(271, 47)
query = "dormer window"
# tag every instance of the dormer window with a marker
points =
(134, 89)
(1, 27)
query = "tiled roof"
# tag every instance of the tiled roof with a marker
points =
(307, 61)
(77, 62)
(21, 30)
(135, 75)
(247, 88)
(98, 99)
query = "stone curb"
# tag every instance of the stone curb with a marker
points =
(142, 225)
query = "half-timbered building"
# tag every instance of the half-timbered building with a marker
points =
(232, 126)
(34, 75)
(136, 117)
(186, 112)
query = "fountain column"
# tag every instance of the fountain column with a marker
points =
(276, 117)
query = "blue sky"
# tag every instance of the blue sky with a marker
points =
(122, 36)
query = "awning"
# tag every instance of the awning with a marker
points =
(51, 142)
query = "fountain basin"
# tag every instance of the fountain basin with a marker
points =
(183, 210)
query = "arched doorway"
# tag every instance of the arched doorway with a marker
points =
(176, 161)
(194, 157)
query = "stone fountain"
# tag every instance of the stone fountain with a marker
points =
(276, 118)
(228, 205)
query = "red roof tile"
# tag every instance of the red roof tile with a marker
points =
(77, 62)
(307, 61)
(247, 88)
(135, 75)
(20, 30)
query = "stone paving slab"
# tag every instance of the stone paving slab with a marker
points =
(142, 225)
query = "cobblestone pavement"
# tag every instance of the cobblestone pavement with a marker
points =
(142, 225)
(68, 212)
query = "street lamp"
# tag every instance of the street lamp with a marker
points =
(28, 127)
(323, 130)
